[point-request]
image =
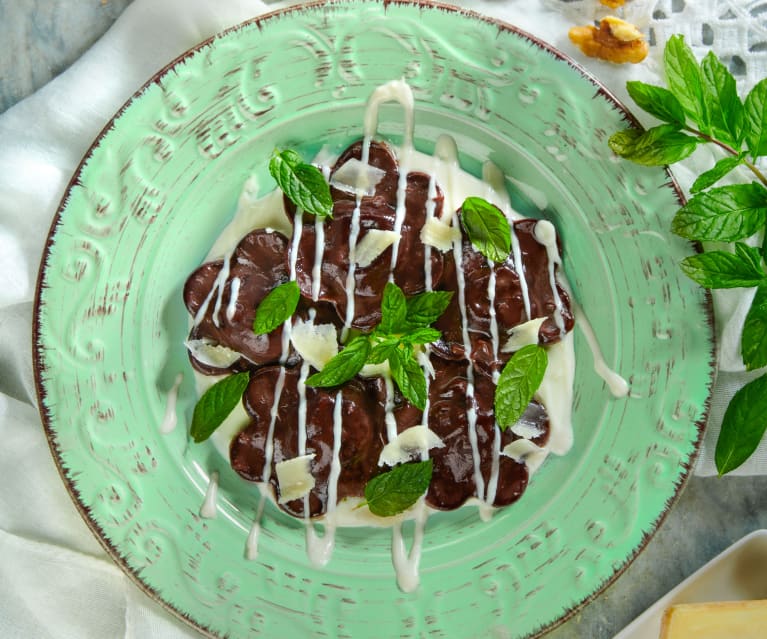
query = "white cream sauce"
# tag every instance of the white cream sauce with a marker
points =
(170, 419)
(208, 508)
(618, 386)
(251, 544)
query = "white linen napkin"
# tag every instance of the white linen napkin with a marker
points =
(55, 579)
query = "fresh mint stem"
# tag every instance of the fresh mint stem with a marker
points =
(728, 149)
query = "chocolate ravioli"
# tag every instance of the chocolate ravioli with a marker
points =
(260, 262)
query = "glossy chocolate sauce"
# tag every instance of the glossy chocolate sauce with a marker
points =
(466, 466)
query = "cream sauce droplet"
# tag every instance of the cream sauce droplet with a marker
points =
(618, 386)
(208, 509)
(170, 419)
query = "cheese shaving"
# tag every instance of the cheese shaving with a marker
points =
(316, 343)
(439, 235)
(372, 245)
(294, 477)
(524, 451)
(523, 335)
(411, 442)
(211, 354)
(355, 176)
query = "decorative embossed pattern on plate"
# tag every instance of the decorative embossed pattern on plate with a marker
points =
(161, 182)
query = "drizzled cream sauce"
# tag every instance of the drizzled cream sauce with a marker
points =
(170, 419)
(556, 389)
(209, 505)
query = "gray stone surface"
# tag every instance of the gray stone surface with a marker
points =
(40, 38)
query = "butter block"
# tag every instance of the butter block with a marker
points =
(717, 620)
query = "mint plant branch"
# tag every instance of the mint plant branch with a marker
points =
(705, 94)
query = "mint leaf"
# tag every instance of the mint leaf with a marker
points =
(393, 309)
(657, 101)
(303, 183)
(722, 269)
(276, 307)
(756, 119)
(425, 335)
(409, 376)
(426, 308)
(215, 405)
(519, 380)
(655, 147)
(753, 341)
(684, 79)
(383, 350)
(393, 340)
(723, 214)
(343, 366)
(720, 93)
(487, 227)
(716, 173)
(395, 491)
(743, 426)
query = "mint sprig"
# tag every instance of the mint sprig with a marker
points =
(702, 106)
(403, 329)
(276, 307)
(396, 490)
(519, 380)
(303, 183)
(216, 404)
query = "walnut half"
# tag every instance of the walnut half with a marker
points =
(615, 41)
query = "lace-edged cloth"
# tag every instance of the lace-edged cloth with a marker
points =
(735, 30)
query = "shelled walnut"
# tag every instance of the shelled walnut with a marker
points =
(614, 40)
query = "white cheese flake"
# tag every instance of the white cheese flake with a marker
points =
(526, 430)
(294, 477)
(372, 245)
(523, 335)
(316, 343)
(525, 452)
(439, 235)
(410, 443)
(211, 354)
(355, 176)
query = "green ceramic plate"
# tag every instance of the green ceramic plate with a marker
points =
(161, 182)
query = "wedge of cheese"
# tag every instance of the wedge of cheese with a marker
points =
(719, 620)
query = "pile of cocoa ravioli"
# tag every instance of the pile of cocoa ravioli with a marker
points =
(419, 394)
